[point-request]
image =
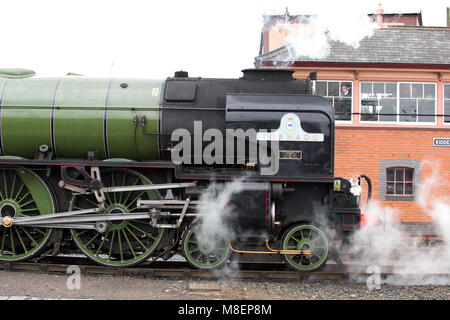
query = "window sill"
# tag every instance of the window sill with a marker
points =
(399, 198)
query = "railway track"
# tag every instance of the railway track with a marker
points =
(180, 269)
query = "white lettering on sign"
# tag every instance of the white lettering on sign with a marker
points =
(290, 130)
(441, 142)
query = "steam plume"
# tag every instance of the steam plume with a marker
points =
(311, 36)
(381, 242)
(213, 209)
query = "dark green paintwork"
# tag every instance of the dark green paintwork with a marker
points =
(120, 129)
(80, 105)
(79, 117)
(26, 115)
(16, 73)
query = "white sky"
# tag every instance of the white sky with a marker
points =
(152, 39)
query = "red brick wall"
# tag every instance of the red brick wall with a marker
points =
(359, 150)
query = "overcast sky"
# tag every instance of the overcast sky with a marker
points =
(152, 39)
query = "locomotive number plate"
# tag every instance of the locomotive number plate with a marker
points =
(290, 155)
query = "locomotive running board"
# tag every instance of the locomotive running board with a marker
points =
(146, 187)
(162, 203)
(149, 187)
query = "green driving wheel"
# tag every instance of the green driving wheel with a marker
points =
(125, 242)
(204, 251)
(305, 237)
(23, 194)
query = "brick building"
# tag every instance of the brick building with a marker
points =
(391, 123)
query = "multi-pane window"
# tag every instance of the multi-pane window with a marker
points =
(398, 102)
(399, 182)
(378, 101)
(339, 93)
(447, 102)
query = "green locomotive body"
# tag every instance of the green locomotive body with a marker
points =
(76, 114)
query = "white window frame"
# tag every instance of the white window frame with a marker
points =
(339, 87)
(443, 102)
(397, 121)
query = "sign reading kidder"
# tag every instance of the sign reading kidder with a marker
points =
(290, 130)
(441, 142)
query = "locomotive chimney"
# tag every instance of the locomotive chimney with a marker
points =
(267, 74)
(181, 74)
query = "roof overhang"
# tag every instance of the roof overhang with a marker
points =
(353, 65)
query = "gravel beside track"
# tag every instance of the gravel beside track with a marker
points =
(27, 285)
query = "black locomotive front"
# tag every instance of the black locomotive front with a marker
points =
(286, 173)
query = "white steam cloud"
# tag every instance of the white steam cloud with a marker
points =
(311, 36)
(382, 243)
(213, 209)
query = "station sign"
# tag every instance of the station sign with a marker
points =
(441, 142)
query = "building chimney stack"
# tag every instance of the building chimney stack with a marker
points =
(448, 17)
(380, 13)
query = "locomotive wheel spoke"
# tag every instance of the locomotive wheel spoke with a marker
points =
(123, 183)
(88, 200)
(204, 254)
(39, 230)
(92, 239)
(144, 222)
(11, 237)
(125, 242)
(23, 194)
(101, 244)
(3, 240)
(136, 238)
(129, 244)
(18, 193)
(141, 231)
(111, 244)
(312, 240)
(295, 239)
(129, 193)
(29, 236)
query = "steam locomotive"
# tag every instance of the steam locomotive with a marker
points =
(119, 168)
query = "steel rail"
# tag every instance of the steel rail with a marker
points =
(161, 269)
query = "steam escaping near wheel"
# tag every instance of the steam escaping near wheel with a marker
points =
(205, 242)
(214, 208)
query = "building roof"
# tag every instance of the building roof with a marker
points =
(391, 45)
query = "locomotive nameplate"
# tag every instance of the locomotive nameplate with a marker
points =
(290, 130)
(290, 155)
